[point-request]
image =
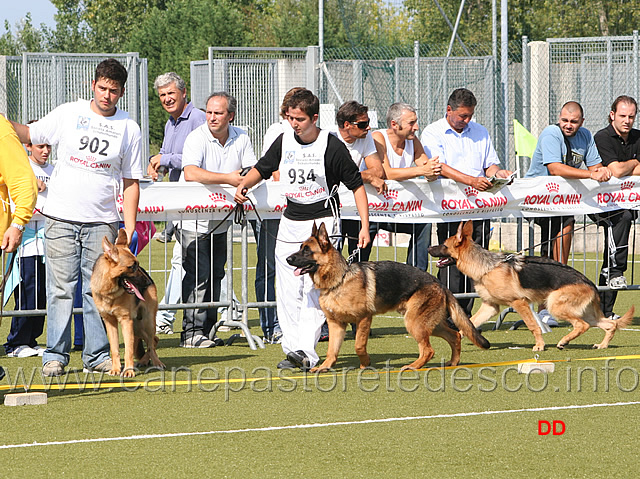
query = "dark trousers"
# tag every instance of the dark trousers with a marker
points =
(417, 253)
(29, 294)
(266, 233)
(203, 260)
(451, 277)
(616, 225)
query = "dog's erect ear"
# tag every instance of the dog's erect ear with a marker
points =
(110, 251)
(122, 237)
(465, 229)
(314, 229)
(323, 238)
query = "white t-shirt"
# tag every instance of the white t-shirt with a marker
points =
(399, 161)
(35, 246)
(203, 150)
(94, 153)
(273, 132)
(359, 149)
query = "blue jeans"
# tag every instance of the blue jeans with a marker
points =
(265, 284)
(71, 249)
(203, 260)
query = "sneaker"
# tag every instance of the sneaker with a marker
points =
(546, 318)
(23, 351)
(613, 316)
(53, 368)
(276, 338)
(163, 237)
(299, 359)
(619, 282)
(163, 329)
(104, 367)
(198, 341)
(285, 364)
(40, 350)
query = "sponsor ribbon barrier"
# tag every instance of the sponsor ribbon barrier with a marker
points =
(416, 201)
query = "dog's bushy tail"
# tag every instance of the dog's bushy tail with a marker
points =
(461, 320)
(625, 320)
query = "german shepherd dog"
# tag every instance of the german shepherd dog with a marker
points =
(354, 293)
(518, 281)
(125, 293)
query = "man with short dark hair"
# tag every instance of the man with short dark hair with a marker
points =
(214, 153)
(312, 163)
(467, 156)
(619, 148)
(354, 131)
(98, 147)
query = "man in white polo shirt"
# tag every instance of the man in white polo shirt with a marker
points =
(213, 153)
(468, 157)
(98, 147)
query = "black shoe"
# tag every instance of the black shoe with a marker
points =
(285, 364)
(323, 338)
(217, 341)
(300, 360)
(1, 373)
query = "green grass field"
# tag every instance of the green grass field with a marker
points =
(227, 412)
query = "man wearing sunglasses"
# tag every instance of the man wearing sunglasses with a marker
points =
(354, 131)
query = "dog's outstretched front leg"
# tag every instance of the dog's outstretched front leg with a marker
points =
(128, 335)
(336, 336)
(523, 309)
(363, 327)
(111, 325)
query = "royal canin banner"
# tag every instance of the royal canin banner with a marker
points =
(414, 201)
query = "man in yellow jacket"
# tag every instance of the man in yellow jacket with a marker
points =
(17, 182)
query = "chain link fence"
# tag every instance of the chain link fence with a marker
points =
(35, 83)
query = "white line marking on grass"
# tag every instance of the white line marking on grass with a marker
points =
(311, 426)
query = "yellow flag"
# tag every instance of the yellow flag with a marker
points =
(525, 142)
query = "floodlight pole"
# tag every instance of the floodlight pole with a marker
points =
(504, 74)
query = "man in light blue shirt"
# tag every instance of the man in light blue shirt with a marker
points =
(562, 150)
(467, 156)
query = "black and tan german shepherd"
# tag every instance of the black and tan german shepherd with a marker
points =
(125, 294)
(355, 293)
(518, 281)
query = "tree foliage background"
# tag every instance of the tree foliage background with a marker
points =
(171, 33)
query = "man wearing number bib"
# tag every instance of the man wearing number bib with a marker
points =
(312, 163)
(98, 146)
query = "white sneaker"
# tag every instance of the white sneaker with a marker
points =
(40, 350)
(619, 282)
(23, 351)
(546, 318)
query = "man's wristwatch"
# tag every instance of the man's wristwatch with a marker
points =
(18, 227)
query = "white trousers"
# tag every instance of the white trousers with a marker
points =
(297, 303)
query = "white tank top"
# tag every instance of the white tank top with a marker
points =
(302, 169)
(395, 160)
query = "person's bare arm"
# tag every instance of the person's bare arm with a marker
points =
(595, 172)
(374, 174)
(130, 199)
(22, 131)
(624, 168)
(195, 173)
(428, 169)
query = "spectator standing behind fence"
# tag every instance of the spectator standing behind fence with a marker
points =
(183, 119)
(354, 131)
(98, 145)
(468, 157)
(562, 150)
(311, 160)
(619, 148)
(213, 153)
(17, 182)
(30, 291)
(399, 149)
